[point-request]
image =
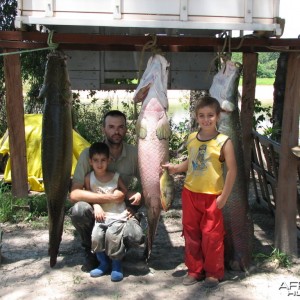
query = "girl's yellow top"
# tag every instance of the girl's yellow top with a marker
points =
(205, 168)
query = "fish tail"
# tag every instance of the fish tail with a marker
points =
(153, 215)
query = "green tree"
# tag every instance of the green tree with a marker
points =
(267, 63)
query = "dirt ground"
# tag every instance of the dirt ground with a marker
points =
(25, 272)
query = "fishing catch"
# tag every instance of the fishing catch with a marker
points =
(237, 219)
(153, 132)
(56, 145)
(167, 190)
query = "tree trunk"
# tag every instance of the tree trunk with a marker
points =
(286, 196)
(15, 121)
(279, 90)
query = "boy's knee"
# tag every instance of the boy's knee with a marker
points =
(81, 214)
(80, 209)
(133, 234)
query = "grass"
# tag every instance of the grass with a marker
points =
(265, 81)
(281, 258)
(32, 209)
(261, 81)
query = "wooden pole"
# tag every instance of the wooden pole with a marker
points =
(286, 202)
(250, 61)
(15, 120)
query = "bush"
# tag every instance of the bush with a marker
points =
(87, 118)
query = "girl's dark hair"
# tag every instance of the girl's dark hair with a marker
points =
(98, 148)
(208, 101)
(114, 113)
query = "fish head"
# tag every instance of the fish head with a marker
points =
(225, 85)
(56, 78)
(153, 83)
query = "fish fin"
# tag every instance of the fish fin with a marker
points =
(163, 130)
(142, 93)
(53, 253)
(227, 106)
(141, 129)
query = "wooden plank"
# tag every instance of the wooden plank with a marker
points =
(190, 80)
(286, 204)
(16, 128)
(92, 41)
(250, 61)
(266, 141)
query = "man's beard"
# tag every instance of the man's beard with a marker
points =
(112, 141)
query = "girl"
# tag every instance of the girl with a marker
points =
(204, 194)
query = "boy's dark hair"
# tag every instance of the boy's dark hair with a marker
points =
(208, 101)
(98, 148)
(114, 113)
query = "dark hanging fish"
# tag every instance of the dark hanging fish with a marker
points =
(237, 218)
(56, 146)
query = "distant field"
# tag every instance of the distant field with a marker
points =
(265, 81)
(261, 81)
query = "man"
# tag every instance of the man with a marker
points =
(124, 161)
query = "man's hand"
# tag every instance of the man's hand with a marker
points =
(130, 212)
(99, 213)
(135, 199)
(118, 196)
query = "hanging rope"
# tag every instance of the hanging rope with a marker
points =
(154, 49)
(51, 46)
(221, 56)
(152, 44)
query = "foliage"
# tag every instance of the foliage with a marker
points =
(272, 132)
(33, 67)
(8, 11)
(261, 81)
(265, 81)
(179, 133)
(260, 114)
(177, 140)
(87, 118)
(14, 209)
(26, 209)
(267, 63)
(282, 259)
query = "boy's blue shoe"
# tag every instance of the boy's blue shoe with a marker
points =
(103, 267)
(116, 274)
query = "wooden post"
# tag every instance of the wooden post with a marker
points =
(286, 202)
(250, 61)
(15, 120)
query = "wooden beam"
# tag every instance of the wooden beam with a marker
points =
(286, 202)
(250, 61)
(98, 42)
(15, 120)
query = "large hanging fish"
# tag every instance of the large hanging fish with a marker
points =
(237, 219)
(56, 146)
(153, 132)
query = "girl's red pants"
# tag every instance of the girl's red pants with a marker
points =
(203, 231)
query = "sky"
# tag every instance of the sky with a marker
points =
(290, 11)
